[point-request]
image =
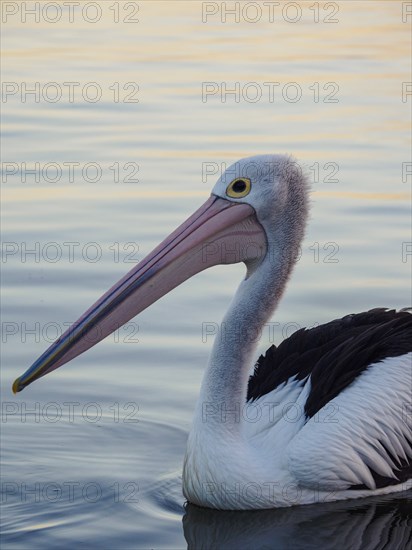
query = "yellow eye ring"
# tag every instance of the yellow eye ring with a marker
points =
(238, 188)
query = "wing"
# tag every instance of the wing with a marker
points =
(333, 355)
(357, 374)
(362, 439)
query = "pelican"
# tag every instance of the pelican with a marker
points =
(326, 415)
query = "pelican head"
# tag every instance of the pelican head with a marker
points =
(254, 200)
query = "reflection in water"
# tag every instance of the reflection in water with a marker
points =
(367, 524)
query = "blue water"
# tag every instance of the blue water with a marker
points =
(92, 454)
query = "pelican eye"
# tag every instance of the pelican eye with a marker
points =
(238, 188)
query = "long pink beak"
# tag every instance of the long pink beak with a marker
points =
(219, 232)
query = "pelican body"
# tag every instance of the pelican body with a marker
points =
(326, 415)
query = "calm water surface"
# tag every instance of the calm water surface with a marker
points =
(92, 455)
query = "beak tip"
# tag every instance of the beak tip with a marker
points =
(16, 386)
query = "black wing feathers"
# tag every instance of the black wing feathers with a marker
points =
(333, 354)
